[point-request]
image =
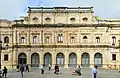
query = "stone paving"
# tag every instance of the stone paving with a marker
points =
(64, 73)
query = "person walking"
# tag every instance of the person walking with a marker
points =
(79, 70)
(27, 68)
(1, 73)
(42, 69)
(17, 68)
(4, 72)
(49, 67)
(56, 69)
(94, 72)
(22, 70)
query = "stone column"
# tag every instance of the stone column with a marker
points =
(78, 58)
(41, 58)
(66, 60)
(91, 60)
(28, 57)
(11, 59)
(53, 59)
(15, 62)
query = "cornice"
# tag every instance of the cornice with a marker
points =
(65, 46)
(66, 25)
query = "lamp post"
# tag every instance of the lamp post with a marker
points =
(0, 52)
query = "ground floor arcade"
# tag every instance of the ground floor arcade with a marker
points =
(62, 57)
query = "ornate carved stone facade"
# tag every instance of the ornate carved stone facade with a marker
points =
(67, 36)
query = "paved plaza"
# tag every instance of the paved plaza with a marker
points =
(64, 73)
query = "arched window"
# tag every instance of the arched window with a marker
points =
(47, 59)
(85, 60)
(6, 39)
(72, 19)
(22, 58)
(35, 60)
(22, 39)
(85, 19)
(85, 37)
(60, 38)
(72, 39)
(98, 59)
(35, 19)
(60, 59)
(97, 40)
(113, 40)
(72, 59)
(47, 19)
(35, 39)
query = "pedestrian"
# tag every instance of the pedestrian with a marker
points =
(1, 73)
(4, 72)
(49, 67)
(27, 68)
(17, 68)
(42, 69)
(22, 70)
(79, 70)
(94, 72)
(56, 69)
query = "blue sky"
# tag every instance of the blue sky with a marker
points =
(13, 9)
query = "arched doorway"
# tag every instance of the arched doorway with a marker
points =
(98, 59)
(85, 60)
(60, 59)
(35, 60)
(72, 60)
(22, 59)
(47, 59)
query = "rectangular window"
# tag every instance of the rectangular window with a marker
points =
(97, 40)
(47, 39)
(72, 40)
(113, 56)
(114, 40)
(6, 57)
(22, 40)
(60, 38)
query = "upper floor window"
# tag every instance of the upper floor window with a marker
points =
(35, 19)
(6, 57)
(113, 56)
(85, 19)
(60, 38)
(97, 40)
(72, 19)
(47, 39)
(35, 39)
(72, 39)
(85, 37)
(22, 39)
(113, 40)
(6, 39)
(47, 19)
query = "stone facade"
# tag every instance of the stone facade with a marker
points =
(67, 36)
